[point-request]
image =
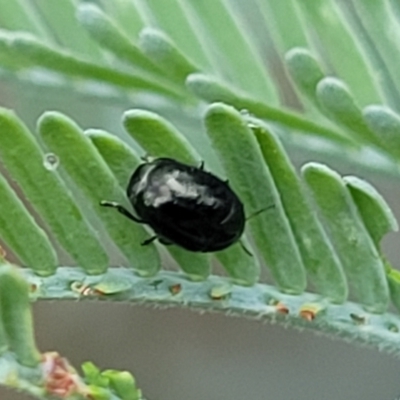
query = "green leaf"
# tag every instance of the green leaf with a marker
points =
(379, 23)
(325, 20)
(211, 90)
(126, 14)
(98, 393)
(393, 276)
(59, 18)
(215, 47)
(318, 254)
(354, 246)
(118, 155)
(158, 136)
(32, 51)
(248, 175)
(124, 384)
(22, 234)
(90, 372)
(25, 161)
(182, 26)
(377, 216)
(16, 315)
(278, 16)
(90, 173)
(106, 32)
(305, 71)
(159, 48)
(19, 15)
(340, 105)
(243, 64)
(385, 123)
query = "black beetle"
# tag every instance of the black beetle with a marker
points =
(184, 205)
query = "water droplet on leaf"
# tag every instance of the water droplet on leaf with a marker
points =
(51, 161)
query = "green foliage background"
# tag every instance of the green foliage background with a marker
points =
(317, 80)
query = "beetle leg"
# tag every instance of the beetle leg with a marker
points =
(201, 166)
(122, 210)
(245, 249)
(149, 240)
(164, 241)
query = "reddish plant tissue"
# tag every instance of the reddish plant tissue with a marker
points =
(281, 308)
(61, 379)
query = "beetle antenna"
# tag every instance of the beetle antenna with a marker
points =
(121, 209)
(259, 211)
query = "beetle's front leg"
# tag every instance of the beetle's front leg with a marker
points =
(121, 209)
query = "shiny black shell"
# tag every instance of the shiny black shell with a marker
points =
(186, 205)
